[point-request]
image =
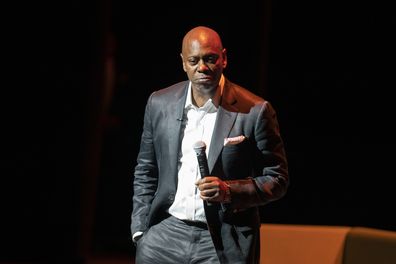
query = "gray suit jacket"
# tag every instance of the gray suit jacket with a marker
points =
(256, 169)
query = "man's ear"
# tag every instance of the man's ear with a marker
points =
(184, 65)
(224, 52)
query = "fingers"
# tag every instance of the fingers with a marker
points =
(209, 193)
(210, 189)
(208, 183)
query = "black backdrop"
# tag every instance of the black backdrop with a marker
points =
(328, 68)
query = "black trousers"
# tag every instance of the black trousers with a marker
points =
(174, 241)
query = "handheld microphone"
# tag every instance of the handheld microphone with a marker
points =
(200, 148)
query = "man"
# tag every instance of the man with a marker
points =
(179, 216)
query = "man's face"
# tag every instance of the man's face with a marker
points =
(204, 61)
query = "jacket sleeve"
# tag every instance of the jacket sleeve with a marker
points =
(145, 175)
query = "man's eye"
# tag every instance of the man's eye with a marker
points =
(211, 59)
(192, 61)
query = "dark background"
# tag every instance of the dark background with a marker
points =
(80, 74)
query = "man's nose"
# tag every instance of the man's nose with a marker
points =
(202, 67)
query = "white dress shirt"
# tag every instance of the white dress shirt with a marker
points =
(198, 124)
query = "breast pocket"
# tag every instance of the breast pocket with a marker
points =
(235, 161)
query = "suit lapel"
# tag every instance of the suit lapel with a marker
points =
(175, 114)
(226, 116)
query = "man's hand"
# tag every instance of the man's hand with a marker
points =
(213, 189)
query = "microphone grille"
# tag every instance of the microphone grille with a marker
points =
(199, 146)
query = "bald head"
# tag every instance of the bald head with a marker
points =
(204, 59)
(202, 36)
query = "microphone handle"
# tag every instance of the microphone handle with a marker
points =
(203, 164)
(203, 167)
